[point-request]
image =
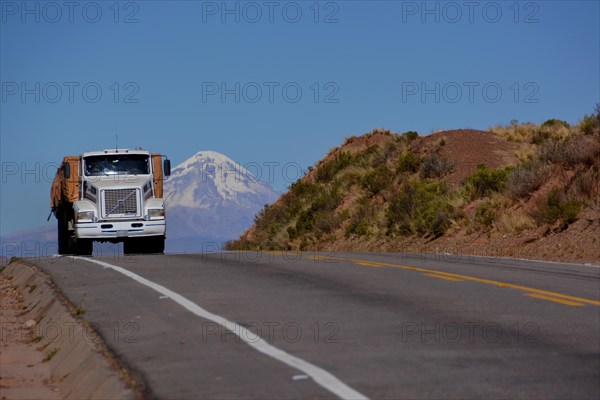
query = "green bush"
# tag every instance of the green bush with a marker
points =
(411, 135)
(485, 214)
(420, 208)
(328, 170)
(408, 162)
(358, 227)
(555, 122)
(434, 166)
(485, 181)
(302, 188)
(376, 180)
(292, 233)
(560, 208)
(590, 125)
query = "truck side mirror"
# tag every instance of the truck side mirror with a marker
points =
(167, 167)
(67, 170)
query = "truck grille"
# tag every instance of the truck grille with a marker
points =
(122, 202)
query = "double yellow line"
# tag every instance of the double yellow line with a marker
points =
(448, 276)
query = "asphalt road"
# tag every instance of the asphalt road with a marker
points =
(319, 325)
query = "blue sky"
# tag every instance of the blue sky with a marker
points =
(279, 81)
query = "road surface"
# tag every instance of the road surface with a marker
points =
(322, 325)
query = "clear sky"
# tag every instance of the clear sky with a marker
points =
(273, 81)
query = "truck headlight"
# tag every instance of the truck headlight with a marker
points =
(85, 216)
(156, 212)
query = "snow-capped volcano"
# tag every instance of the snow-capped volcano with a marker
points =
(211, 198)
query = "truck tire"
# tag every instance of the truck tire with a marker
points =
(62, 236)
(130, 246)
(66, 243)
(84, 247)
(159, 245)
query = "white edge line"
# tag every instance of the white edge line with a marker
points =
(319, 375)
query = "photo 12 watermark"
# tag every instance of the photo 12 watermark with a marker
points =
(270, 92)
(34, 250)
(271, 12)
(469, 92)
(272, 332)
(468, 332)
(253, 171)
(453, 12)
(69, 92)
(70, 12)
(54, 332)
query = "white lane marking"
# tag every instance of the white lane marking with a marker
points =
(320, 376)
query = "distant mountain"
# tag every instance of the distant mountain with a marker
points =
(211, 199)
(30, 242)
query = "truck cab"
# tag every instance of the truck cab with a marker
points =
(111, 196)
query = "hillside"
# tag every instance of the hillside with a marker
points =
(523, 190)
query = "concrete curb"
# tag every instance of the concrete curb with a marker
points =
(78, 360)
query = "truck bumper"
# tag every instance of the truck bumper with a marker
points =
(120, 230)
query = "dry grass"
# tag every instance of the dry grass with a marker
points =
(516, 133)
(514, 220)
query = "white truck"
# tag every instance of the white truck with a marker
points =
(110, 196)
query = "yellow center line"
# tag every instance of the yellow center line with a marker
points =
(447, 278)
(368, 264)
(554, 299)
(554, 295)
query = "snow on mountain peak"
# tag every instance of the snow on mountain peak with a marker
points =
(209, 177)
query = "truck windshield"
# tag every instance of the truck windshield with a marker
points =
(117, 164)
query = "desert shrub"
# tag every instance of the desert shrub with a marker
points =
(305, 222)
(292, 233)
(401, 210)
(590, 125)
(434, 166)
(408, 162)
(327, 222)
(555, 122)
(302, 188)
(526, 179)
(327, 170)
(551, 129)
(361, 218)
(318, 216)
(357, 227)
(515, 220)
(376, 180)
(421, 208)
(485, 214)
(516, 132)
(552, 152)
(485, 181)
(569, 153)
(411, 135)
(585, 184)
(560, 208)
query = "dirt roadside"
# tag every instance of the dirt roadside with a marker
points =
(24, 373)
(47, 353)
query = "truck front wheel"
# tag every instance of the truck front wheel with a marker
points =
(84, 247)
